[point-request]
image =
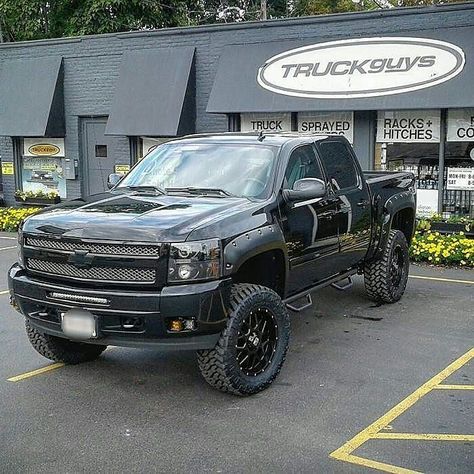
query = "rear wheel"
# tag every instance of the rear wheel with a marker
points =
(386, 278)
(252, 348)
(62, 350)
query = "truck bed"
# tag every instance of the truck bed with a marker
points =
(388, 183)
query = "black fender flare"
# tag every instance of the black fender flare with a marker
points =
(397, 203)
(252, 243)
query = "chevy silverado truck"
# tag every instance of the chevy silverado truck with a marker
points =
(207, 244)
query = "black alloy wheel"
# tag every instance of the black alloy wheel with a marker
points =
(397, 265)
(256, 342)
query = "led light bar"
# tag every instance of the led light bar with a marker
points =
(78, 298)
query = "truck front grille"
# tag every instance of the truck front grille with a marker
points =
(94, 247)
(112, 274)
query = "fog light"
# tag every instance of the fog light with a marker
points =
(176, 325)
(182, 324)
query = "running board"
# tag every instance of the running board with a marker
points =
(297, 309)
(343, 287)
(307, 292)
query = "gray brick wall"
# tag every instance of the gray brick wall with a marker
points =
(91, 64)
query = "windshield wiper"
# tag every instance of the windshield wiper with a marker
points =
(157, 189)
(202, 191)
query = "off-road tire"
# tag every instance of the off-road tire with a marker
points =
(62, 350)
(380, 283)
(220, 367)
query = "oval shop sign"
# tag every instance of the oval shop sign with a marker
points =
(365, 67)
(44, 149)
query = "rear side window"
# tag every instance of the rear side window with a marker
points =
(302, 164)
(339, 164)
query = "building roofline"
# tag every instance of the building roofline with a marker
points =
(325, 18)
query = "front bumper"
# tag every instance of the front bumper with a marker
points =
(206, 302)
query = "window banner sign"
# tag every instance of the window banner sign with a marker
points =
(327, 123)
(426, 202)
(408, 126)
(43, 147)
(265, 122)
(460, 179)
(460, 125)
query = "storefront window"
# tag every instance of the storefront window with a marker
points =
(458, 196)
(41, 166)
(408, 140)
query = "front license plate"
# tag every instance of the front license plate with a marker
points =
(79, 324)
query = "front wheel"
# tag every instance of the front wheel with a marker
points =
(62, 350)
(253, 346)
(386, 278)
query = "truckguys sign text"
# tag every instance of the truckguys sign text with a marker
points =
(365, 67)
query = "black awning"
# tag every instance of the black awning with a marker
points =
(317, 74)
(155, 94)
(31, 98)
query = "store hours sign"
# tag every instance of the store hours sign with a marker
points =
(408, 126)
(460, 179)
(327, 123)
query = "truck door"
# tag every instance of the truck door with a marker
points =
(309, 227)
(353, 207)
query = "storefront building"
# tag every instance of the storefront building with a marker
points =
(398, 84)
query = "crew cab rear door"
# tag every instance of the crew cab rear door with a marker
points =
(353, 206)
(309, 227)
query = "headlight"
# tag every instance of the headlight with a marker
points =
(20, 245)
(191, 261)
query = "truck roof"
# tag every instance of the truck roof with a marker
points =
(275, 139)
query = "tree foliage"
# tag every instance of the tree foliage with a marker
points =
(37, 19)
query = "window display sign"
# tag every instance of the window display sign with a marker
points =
(460, 125)
(408, 126)
(328, 123)
(43, 147)
(42, 165)
(461, 179)
(7, 167)
(426, 202)
(265, 122)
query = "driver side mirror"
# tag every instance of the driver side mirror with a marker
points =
(305, 189)
(113, 179)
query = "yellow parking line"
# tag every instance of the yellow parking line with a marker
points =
(425, 436)
(8, 248)
(447, 280)
(454, 387)
(34, 373)
(344, 453)
(4, 292)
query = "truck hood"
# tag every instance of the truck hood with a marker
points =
(147, 217)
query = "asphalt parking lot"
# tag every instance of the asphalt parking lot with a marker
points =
(364, 386)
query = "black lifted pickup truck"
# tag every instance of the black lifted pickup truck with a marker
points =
(206, 244)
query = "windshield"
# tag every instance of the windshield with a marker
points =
(239, 169)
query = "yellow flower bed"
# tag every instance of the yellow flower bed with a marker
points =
(11, 217)
(452, 249)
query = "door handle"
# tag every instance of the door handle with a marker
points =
(363, 203)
